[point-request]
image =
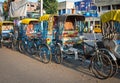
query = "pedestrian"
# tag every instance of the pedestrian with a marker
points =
(91, 28)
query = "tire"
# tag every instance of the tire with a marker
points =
(0, 44)
(31, 48)
(101, 66)
(58, 53)
(14, 45)
(45, 53)
(22, 47)
(115, 68)
(114, 62)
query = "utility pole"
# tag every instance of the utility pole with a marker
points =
(41, 11)
(41, 7)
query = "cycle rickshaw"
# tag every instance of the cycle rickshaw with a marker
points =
(6, 33)
(110, 22)
(31, 41)
(50, 23)
(72, 44)
(59, 31)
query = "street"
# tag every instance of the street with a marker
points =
(19, 68)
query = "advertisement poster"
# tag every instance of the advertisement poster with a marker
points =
(86, 7)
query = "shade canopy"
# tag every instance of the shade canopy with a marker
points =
(113, 15)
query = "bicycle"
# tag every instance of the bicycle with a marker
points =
(102, 63)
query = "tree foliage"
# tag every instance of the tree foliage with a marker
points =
(50, 6)
(6, 5)
(5, 9)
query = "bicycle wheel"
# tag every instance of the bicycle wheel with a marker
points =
(0, 41)
(115, 68)
(45, 53)
(101, 66)
(22, 46)
(113, 59)
(58, 54)
(14, 45)
(31, 48)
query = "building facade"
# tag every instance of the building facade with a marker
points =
(32, 9)
(32, 6)
(91, 9)
(66, 7)
(107, 5)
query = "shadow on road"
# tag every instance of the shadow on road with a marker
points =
(76, 65)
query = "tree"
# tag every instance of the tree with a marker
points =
(50, 6)
(6, 6)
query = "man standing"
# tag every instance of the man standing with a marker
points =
(91, 28)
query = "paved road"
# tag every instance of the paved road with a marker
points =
(19, 68)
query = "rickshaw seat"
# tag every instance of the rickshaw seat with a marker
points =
(68, 26)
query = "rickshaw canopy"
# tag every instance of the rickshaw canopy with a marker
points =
(111, 15)
(63, 18)
(28, 20)
(6, 22)
(44, 17)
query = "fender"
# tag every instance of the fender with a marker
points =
(111, 54)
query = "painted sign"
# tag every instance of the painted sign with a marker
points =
(87, 8)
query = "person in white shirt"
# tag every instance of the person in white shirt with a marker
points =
(91, 28)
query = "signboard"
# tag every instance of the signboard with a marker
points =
(87, 8)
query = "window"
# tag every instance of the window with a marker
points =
(32, 5)
(68, 11)
(99, 9)
(117, 6)
(104, 8)
(59, 12)
(63, 11)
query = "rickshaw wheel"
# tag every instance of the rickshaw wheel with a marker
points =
(31, 48)
(58, 54)
(14, 45)
(101, 66)
(0, 45)
(21, 47)
(45, 53)
(114, 62)
(0, 42)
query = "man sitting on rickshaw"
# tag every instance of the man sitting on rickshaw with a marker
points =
(30, 30)
(69, 26)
